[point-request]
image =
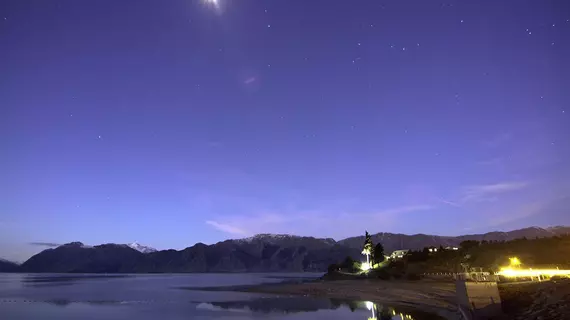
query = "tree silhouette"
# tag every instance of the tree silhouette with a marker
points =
(368, 247)
(378, 253)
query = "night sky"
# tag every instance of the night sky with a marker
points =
(176, 122)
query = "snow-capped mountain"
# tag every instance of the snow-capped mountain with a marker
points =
(268, 237)
(141, 248)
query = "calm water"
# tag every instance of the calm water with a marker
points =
(146, 297)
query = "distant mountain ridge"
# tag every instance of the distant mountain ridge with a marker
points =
(260, 253)
(8, 266)
(395, 241)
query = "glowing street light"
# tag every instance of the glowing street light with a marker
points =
(515, 262)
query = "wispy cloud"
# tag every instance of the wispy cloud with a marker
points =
(489, 191)
(499, 140)
(227, 228)
(249, 80)
(403, 210)
(491, 162)
(523, 211)
(45, 244)
(449, 203)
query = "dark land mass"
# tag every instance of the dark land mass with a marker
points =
(8, 266)
(262, 253)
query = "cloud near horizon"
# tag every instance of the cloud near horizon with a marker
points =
(309, 223)
(45, 244)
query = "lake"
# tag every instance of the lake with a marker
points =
(160, 296)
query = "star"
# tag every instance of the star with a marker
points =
(269, 26)
(404, 49)
(99, 137)
(461, 21)
(358, 44)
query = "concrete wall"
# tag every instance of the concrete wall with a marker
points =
(481, 297)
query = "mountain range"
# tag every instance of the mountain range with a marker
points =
(8, 266)
(260, 253)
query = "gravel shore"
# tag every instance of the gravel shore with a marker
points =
(430, 296)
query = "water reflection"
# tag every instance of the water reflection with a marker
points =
(302, 304)
(385, 313)
(34, 280)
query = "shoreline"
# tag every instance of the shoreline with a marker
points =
(430, 296)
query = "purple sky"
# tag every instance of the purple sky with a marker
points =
(176, 122)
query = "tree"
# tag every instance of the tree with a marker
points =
(368, 247)
(332, 268)
(378, 253)
(350, 265)
(468, 244)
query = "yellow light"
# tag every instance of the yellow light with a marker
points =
(369, 305)
(512, 273)
(515, 261)
(365, 266)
